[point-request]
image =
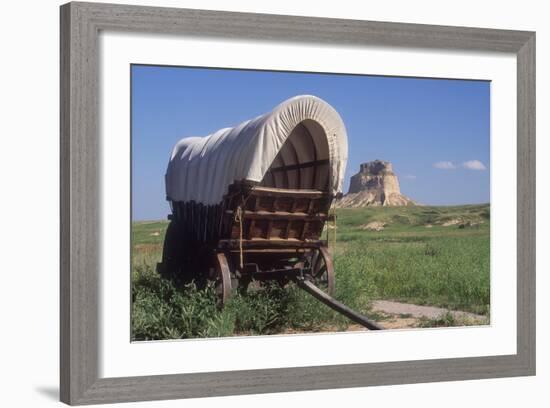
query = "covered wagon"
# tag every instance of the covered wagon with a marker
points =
(251, 202)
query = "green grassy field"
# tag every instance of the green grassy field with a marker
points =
(424, 255)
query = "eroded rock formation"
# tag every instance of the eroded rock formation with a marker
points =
(375, 184)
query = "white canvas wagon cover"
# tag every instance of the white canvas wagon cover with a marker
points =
(201, 168)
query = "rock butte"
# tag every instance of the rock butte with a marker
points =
(375, 184)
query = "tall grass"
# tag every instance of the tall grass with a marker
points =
(162, 311)
(414, 259)
(448, 271)
(407, 261)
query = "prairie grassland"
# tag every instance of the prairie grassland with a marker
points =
(424, 255)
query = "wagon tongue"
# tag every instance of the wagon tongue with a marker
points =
(313, 290)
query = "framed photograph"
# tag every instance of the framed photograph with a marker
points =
(262, 203)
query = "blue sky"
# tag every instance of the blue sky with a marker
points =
(436, 132)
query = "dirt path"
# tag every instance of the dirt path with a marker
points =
(399, 315)
(431, 312)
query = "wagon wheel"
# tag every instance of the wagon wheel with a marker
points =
(222, 279)
(322, 270)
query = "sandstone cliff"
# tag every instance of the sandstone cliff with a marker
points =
(375, 184)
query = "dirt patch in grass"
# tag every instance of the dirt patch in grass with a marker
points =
(398, 315)
(374, 226)
(454, 221)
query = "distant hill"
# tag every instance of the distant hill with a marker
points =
(447, 218)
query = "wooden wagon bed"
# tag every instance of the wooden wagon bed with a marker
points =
(256, 233)
(273, 217)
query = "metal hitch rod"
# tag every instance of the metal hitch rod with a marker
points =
(313, 290)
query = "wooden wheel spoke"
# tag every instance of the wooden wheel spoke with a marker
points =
(322, 270)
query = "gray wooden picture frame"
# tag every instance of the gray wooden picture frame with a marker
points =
(80, 234)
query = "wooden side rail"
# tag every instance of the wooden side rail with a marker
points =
(287, 192)
(281, 215)
(258, 243)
